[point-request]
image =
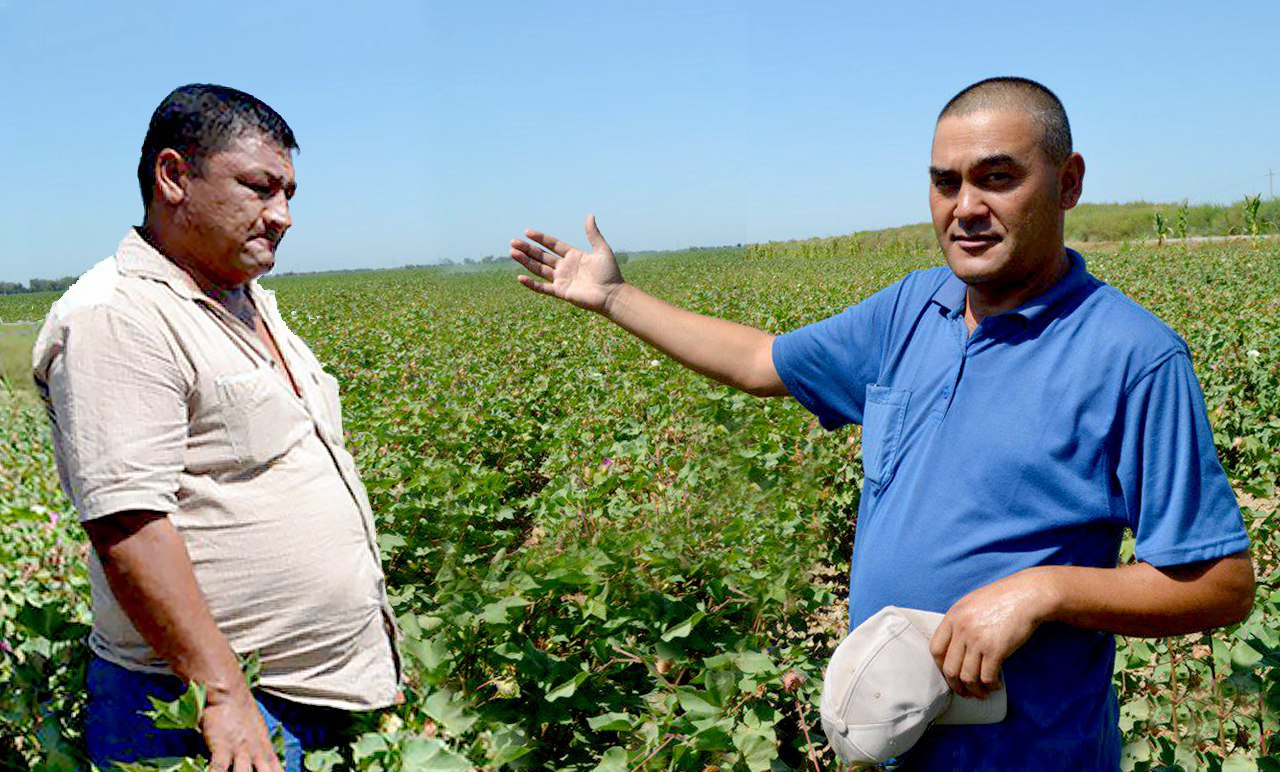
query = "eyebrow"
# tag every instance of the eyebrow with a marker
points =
(999, 159)
(275, 179)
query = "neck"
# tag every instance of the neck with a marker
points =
(171, 248)
(982, 301)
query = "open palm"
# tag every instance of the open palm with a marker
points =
(585, 279)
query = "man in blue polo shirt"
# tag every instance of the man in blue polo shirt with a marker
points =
(1018, 414)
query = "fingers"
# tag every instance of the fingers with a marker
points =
(598, 244)
(546, 288)
(533, 253)
(969, 671)
(550, 242)
(940, 641)
(952, 664)
(221, 760)
(245, 761)
(990, 675)
(534, 260)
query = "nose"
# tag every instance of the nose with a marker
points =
(970, 204)
(277, 213)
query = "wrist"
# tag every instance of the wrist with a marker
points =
(1050, 593)
(615, 301)
(223, 681)
(227, 692)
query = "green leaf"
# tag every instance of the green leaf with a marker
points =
(757, 745)
(753, 662)
(1239, 764)
(695, 701)
(431, 653)
(1138, 751)
(368, 745)
(1244, 656)
(429, 753)
(567, 688)
(612, 722)
(509, 744)
(322, 761)
(182, 713)
(683, 629)
(499, 612)
(450, 713)
(613, 760)
(49, 621)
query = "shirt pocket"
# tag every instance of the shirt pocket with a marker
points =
(261, 419)
(884, 418)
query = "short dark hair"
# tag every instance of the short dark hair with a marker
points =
(1023, 94)
(200, 119)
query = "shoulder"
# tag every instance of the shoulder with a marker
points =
(99, 303)
(1127, 334)
(924, 283)
(905, 297)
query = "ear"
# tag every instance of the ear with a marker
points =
(171, 174)
(1071, 181)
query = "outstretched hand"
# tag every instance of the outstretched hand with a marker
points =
(586, 279)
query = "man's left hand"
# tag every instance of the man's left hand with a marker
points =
(984, 627)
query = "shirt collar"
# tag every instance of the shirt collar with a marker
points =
(136, 257)
(1075, 278)
(951, 295)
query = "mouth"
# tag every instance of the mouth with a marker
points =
(975, 242)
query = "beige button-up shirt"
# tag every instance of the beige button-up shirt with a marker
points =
(163, 401)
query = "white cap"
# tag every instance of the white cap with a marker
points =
(882, 689)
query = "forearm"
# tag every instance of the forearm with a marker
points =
(147, 566)
(1142, 600)
(731, 353)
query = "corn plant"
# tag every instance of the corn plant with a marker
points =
(1252, 221)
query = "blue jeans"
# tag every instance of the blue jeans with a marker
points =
(115, 729)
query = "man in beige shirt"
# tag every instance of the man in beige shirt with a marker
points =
(202, 443)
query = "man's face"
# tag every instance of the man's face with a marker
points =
(997, 199)
(236, 209)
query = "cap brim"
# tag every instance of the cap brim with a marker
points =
(869, 745)
(971, 710)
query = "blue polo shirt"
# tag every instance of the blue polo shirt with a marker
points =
(1035, 440)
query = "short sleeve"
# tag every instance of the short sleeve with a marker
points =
(827, 365)
(119, 411)
(1179, 503)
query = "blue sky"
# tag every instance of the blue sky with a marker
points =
(440, 130)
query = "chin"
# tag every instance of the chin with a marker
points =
(254, 266)
(974, 269)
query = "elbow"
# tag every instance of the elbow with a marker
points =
(765, 389)
(1242, 602)
(1238, 591)
(761, 379)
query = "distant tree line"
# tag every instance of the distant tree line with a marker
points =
(36, 285)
